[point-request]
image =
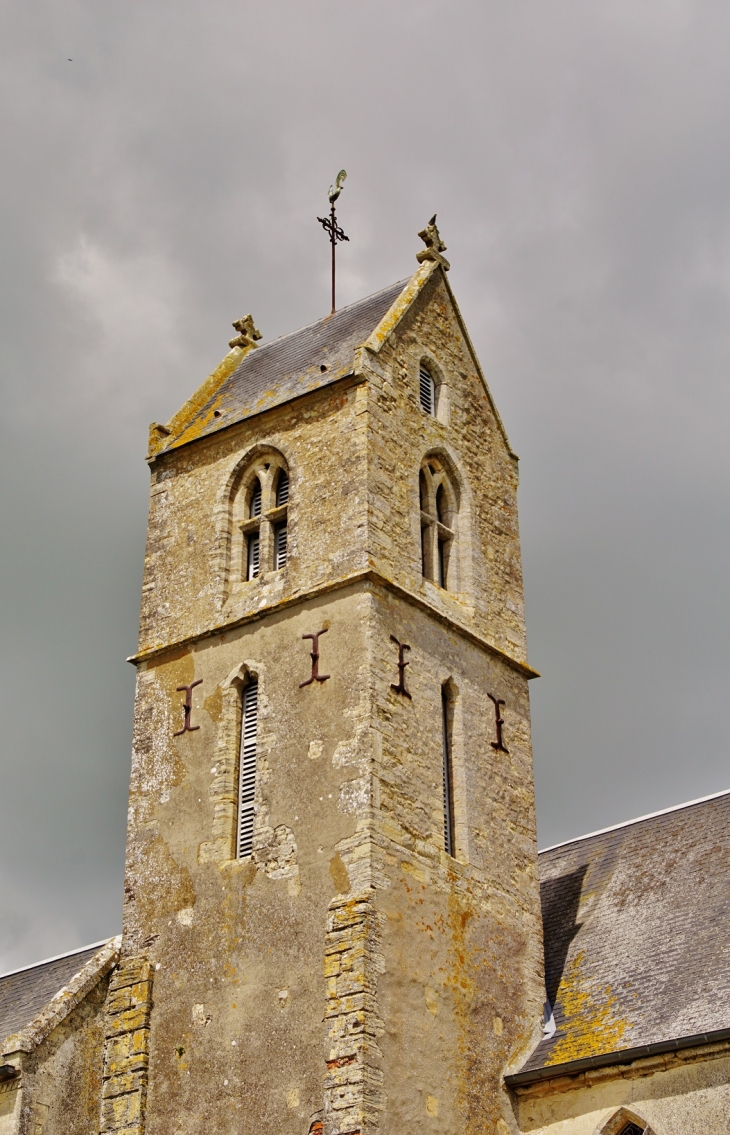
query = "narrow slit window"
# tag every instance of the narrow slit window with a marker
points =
(253, 555)
(428, 391)
(282, 489)
(255, 509)
(280, 546)
(447, 716)
(247, 770)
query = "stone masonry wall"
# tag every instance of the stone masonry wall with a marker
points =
(684, 1093)
(466, 431)
(126, 1048)
(237, 1037)
(60, 1083)
(461, 991)
(323, 440)
(354, 451)
(349, 976)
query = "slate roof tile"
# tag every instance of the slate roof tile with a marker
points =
(290, 366)
(24, 993)
(637, 933)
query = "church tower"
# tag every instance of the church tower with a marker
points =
(331, 920)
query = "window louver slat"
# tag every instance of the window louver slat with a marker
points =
(247, 773)
(256, 500)
(280, 549)
(253, 556)
(282, 489)
(427, 391)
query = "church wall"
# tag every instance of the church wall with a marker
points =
(297, 986)
(239, 995)
(61, 1079)
(351, 800)
(322, 438)
(687, 1093)
(10, 1103)
(461, 990)
(487, 594)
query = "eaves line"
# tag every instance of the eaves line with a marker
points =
(606, 1059)
(372, 576)
(351, 378)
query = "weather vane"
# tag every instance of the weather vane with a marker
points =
(329, 224)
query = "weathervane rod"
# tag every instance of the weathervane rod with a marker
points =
(329, 224)
(333, 242)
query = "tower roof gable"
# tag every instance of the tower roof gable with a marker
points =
(285, 368)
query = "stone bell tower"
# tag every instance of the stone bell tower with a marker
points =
(332, 921)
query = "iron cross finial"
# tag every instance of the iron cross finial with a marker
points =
(431, 237)
(248, 333)
(330, 226)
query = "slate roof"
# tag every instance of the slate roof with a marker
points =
(637, 934)
(291, 365)
(25, 992)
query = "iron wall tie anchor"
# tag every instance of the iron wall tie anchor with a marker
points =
(187, 708)
(314, 655)
(498, 745)
(401, 687)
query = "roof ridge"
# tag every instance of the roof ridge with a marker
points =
(638, 820)
(57, 957)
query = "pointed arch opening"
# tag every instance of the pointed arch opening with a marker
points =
(439, 505)
(259, 496)
(625, 1121)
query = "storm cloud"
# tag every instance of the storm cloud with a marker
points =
(163, 167)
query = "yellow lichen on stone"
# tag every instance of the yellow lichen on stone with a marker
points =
(176, 427)
(395, 313)
(589, 1012)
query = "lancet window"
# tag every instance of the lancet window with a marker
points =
(438, 503)
(447, 728)
(247, 769)
(261, 514)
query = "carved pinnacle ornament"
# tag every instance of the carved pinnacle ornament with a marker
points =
(248, 333)
(434, 245)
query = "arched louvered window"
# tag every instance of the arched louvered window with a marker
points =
(438, 501)
(247, 770)
(631, 1129)
(261, 513)
(427, 389)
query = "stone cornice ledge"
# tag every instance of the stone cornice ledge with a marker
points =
(58, 1008)
(371, 576)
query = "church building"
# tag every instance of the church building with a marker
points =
(336, 920)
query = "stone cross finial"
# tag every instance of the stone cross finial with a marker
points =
(248, 334)
(434, 245)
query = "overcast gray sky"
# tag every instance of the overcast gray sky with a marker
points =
(166, 180)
